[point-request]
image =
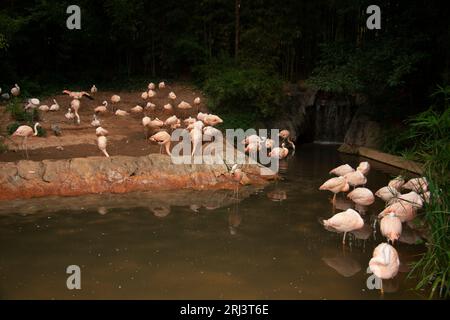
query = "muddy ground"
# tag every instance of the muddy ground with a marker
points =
(126, 134)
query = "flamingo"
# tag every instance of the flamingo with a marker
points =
(75, 105)
(161, 85)
(146, 122)
(54, 106)
(15, 91)
(387, 193)
(335, 185)
(254, 147)
(44, 107)
(404, 211)
(237, 176)
(137, 109)
(121, 113)
(364, 168)
(384, 263)
(411, 198)
(197, 102)
(345, 221)
(285, 135)
(342, 170)
(151, 86)
(32, 103)
(94, 89)
(417, 184)
(102, 141)
(155, 124)
(69, 115)
(196, 137)
(151, 93)
(25, 132)
(252, 139)
(102, 108)
(95, 122)
(183, 105)
(355, 179)
(212, 120)
(362, 196)
(173, 122)
(163, 139)
(201, 116)
(114, 100)
(78, 95)
(172, 96)
(391, 227)
(396, 183)
(101, 131)
(144, 95)
(279, 152)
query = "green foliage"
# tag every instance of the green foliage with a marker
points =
(430, 131)
(373, 69)
(238, 90)
(18, 112)
(41, 132)
(12, 127)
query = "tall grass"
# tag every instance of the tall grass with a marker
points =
(430, 131)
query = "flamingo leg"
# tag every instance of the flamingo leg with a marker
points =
(343, 239)
(160, 148)
(381, 289)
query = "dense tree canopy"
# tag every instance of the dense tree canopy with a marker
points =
(291, 40)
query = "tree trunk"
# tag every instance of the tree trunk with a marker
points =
(236, 34)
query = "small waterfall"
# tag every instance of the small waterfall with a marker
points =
(331, 121)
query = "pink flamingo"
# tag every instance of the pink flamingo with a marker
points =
(342, 170)
(417, 184)
(335, 185)
(364, 168)
(404, 211)
(345, 221)
(385, 262)
(163, 139)
(25, 132)
(396, 183)
(102, 141)
(391, 227)
(362, 196)
(355, 179)
(386, 193)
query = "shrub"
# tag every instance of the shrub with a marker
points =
(12, 127)
(18, 112)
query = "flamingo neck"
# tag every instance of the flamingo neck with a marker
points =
(35, 129)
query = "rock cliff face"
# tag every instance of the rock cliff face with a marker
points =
(119, 174)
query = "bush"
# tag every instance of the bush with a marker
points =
(12, 127)
(431, 132)
(18, 112)
(235, 91)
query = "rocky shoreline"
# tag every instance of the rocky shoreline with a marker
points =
(119, 174)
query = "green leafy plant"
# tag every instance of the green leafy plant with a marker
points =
(431, 133)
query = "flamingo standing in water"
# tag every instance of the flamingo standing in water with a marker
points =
(237, 175)
(364, 168)
(345, 221)
(355, 179)
(362, 196)
(384, 263)
(103, 108)
(342, 170)
(391, 227)
(335, 185)
(285, 135)
(25, 132)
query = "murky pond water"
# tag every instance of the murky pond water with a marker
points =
(195, 245)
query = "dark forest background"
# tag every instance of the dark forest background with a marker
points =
(325, 42)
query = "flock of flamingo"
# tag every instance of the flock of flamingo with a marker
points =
(202, 124)
(400, 208)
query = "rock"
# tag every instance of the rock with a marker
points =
(29, 170)
(118, 174)
(363, 132)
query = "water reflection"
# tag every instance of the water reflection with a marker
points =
(267, 245)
